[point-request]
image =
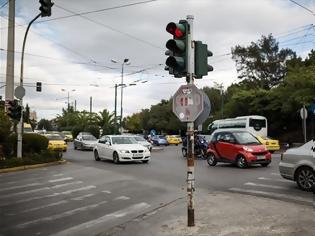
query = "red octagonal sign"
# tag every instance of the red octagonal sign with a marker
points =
(188, 103)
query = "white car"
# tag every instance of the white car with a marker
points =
(298, 164)
(120, 148)
(141, 140)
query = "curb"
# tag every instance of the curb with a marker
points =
(26, 167)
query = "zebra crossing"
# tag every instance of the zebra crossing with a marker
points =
(274, 186)
(61, 204)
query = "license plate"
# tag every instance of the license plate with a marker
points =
(260, 157)
(137, 155)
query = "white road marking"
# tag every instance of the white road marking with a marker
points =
(277, 174)
(20, 186)
(39, 189)
(133, 209)
(122, 198)
(58, 180)
(269, 194)
(106, 191)
(45, 206)
(58, 175)
(83, 197)
(265, 185)
(276, 180)
(49, 195)
(58, 216)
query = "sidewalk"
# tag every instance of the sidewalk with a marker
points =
(224, 214)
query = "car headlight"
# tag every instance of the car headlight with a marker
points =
(247, 149)
(124, 151)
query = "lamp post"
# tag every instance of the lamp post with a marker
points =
(125, 62)
(68, 97)
(220, 86)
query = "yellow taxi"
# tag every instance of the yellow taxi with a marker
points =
(68, 136)
(174, 139)
(272, 145)
(56, 142)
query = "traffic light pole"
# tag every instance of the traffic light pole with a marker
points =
(190, 129)
(20, 127)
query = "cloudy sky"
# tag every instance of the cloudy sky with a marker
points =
(73, 52)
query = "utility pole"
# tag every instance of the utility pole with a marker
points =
(121, 96)
(9, 89)
(91, 104)
(75, 105)
(115, 112)
(68, 101)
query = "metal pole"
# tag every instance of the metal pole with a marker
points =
(304, 124)
(75, 105)
(222, 102)
(121, 94)
(68, 101)
(91, 104)
(20, 128)
(115, 112)
(190, 130)
(9, 89)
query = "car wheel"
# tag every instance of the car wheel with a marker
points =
(184, 152)
(211, 159)
(145, 161)
(305, 178)
(96, 156)
(115, 158)
(265, 164)
(241, 162)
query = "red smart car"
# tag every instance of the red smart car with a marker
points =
(239, 147)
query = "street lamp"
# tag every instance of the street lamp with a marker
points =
(220, 86)
(125, 62)
(68, 91)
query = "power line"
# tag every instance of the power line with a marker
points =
(300, 5)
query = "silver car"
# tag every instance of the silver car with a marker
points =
(298, 164)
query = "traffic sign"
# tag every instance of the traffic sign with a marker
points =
(303, 110)
(188, 103)
(19, 92)
(313, 108)
(206, 110)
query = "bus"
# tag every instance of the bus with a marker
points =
(257, 125)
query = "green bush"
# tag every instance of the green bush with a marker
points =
(93, 129)
(76, 130)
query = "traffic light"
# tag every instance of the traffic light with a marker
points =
(177, 52)
(14, 110)
(201, 59)
(38, 86)
(45, 7)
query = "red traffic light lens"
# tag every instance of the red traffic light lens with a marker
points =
(178, 33)
(171, 27)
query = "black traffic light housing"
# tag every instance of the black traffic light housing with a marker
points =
(201, 59)
(38, 86)
(177, 52)
(14, 110)
(45, 7)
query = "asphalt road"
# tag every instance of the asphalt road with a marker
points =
(86, 197)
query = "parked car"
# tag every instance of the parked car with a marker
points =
(120, 148)
(84, 141)
(174, 139)
(239, 147)
(271, 144)
(159, 140)
(141, 140)
(68, 136)
(56, 142)
(298, 164)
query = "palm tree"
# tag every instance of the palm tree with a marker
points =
(106, 121)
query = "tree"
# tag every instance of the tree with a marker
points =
(262, 64)
(26, 114)
(105, 120)
(44, 124)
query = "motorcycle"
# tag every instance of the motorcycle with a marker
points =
(200, 147)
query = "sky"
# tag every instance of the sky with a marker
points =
(72, 54)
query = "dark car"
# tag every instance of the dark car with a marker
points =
(84, 141)
(159, 140)
(239, 147)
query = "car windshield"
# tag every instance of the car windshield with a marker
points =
(66, 132)
(123, 140)
(139, 138)
(245, 138)
(54, 137)
(161, 137)
(88, 137)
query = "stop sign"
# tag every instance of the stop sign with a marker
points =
(188, 103)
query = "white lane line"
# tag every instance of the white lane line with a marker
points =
(277, 174)
(82, 197)
(39, 189)
(106, 191)
(269, 194)
(45, 206)
(49, 195)
(58, 216)
(276, 180)
(122, 198)
(58, 180)
(133, 209)
(20, 186)
(58, 175)
(265, 185)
